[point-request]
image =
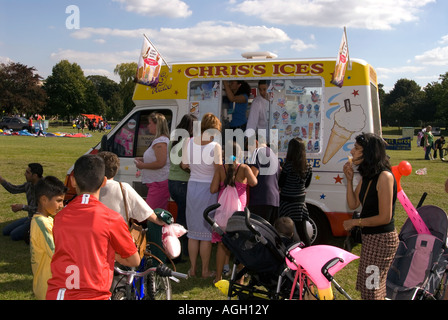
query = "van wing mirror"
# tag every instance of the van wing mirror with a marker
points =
(104, 145)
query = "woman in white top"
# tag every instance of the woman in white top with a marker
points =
(155, 164)
(201, 155)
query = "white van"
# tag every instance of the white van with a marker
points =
(303, 103)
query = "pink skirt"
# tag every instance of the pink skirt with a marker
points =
(158, 195)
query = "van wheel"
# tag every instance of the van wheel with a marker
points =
(317, 226)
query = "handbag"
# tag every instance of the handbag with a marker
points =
(355, 235)
(138, 233)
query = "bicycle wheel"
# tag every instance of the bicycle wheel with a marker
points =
(157, 287)
(119, 294)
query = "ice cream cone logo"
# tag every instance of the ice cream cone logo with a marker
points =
(347, 120)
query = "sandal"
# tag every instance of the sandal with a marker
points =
(211, 274)
(190, 274)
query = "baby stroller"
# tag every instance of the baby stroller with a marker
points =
(272, 267)
(419, 269)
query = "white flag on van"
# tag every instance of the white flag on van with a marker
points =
(149, 64)
(342, 60)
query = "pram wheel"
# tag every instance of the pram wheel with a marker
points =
(441, 293)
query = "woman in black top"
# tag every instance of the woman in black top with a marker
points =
(295, 177)
(377, 193)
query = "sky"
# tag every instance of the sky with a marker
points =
(400, 39)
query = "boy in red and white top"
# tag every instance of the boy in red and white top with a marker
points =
(89, 237)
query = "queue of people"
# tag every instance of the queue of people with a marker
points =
(194, 184)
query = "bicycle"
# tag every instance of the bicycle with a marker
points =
(143, 285)
(149, 281)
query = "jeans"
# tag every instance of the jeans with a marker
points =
(428, 152)
(178, 191)
(17, 229)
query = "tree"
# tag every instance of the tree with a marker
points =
(127, 72)
(403, 103)
(107, 90)
(20, 89)
(69, 92)
(437, 98)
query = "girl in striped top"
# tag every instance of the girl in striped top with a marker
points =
(295, 177)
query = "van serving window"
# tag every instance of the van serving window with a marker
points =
(294, 107)
(133, 138)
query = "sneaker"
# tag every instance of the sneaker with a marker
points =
(226, 271)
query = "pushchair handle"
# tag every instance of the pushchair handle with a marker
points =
(252, 228)
(331, 263)
(208, 210)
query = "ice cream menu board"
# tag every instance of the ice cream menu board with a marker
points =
(204, 97)
(296, 112)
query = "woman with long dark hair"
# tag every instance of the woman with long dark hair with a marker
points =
(377, 194)
(295, 177)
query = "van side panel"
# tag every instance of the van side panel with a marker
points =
(344, 113)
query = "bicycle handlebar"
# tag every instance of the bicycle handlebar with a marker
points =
(161, 270)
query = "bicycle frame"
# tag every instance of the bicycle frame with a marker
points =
(135, 278)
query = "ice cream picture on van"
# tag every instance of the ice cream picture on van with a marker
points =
(347, 120)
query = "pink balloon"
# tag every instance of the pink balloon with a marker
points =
(413, 214)
(405, 169)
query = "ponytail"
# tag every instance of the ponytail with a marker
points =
(231, 168)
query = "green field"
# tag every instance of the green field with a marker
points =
(58, 154)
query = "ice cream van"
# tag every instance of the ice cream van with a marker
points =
(302, 103)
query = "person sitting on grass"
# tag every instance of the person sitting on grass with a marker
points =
(88, 238)
(50, 200)
(19, 229)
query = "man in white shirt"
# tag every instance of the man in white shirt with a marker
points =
(259, 107)
(112, 196)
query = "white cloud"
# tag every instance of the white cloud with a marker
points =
(435, 57)
(94, 59)
(166, 8)
(5, 60)
(444, 39)
(88, 32)
(209, 39)
(366, 14)
(299, 45)
(203, 40)
(406, 72)
(398, 70)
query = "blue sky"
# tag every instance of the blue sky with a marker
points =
(401, 39)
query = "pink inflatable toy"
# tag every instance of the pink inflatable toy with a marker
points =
(311, 260)
(405, 169)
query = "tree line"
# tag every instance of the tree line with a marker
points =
(67, 93)
(408, 104)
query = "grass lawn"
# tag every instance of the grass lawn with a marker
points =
(58, 154)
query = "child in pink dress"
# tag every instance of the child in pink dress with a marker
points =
(234, 174)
